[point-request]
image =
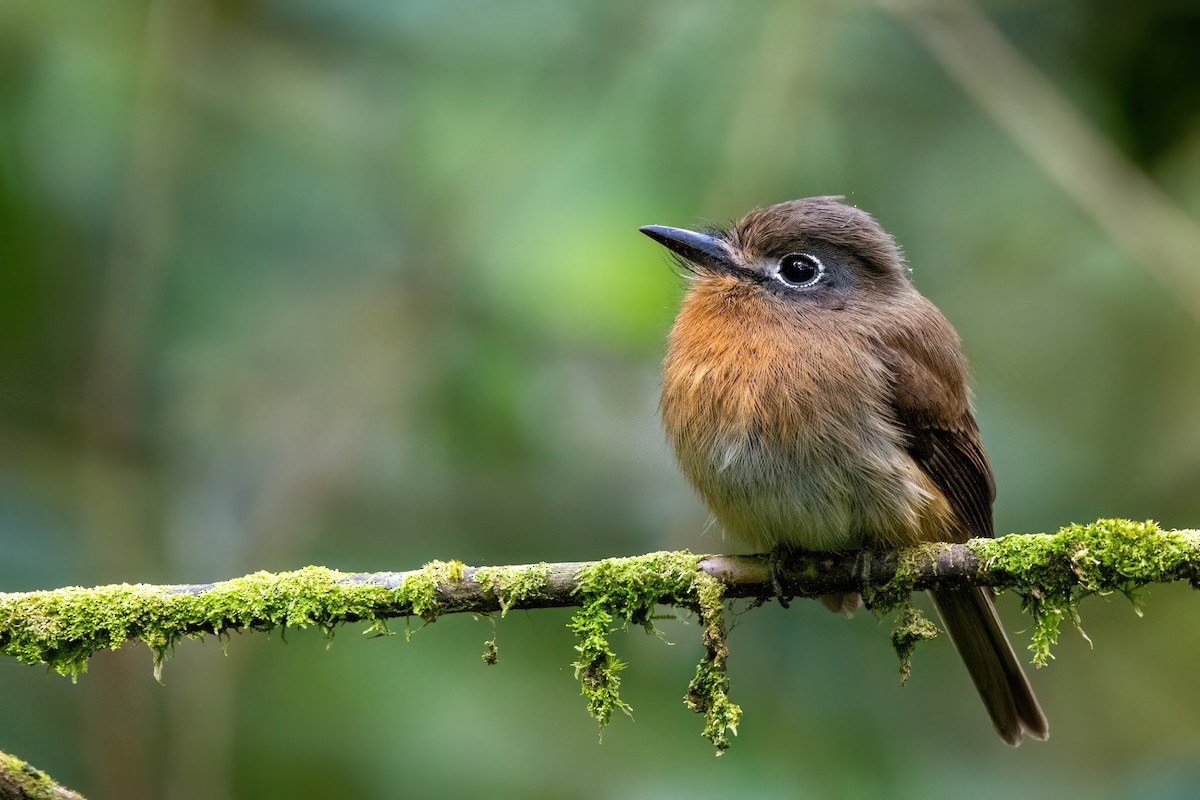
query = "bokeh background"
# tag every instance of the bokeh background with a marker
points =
(359, 284)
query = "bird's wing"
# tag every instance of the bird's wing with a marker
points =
(929, 399)
(954, 459)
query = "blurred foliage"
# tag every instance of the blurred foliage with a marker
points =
(359, 284)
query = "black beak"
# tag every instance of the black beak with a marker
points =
(698, 248)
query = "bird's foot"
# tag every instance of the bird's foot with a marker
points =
(775, 565)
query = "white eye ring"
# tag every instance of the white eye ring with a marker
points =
(799, 270)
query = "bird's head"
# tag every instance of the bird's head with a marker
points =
(816, 252)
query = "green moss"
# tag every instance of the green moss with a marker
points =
(491, 653)
(64, 627)
(1053, 573)
(20, 779)
(626, 589)
(897, 592)
(708, 693)
(629, 589)
(512, 585)
(420, 588)
(912, 628)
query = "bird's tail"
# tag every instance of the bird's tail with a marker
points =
(970, 618)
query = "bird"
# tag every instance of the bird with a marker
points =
(817, 401)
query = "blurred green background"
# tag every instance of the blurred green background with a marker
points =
(359, 284)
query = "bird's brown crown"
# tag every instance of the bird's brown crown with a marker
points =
(785, 227)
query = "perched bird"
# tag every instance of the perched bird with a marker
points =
(817, 401)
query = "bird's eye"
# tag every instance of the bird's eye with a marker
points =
(800, 270)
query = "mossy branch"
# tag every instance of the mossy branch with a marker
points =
(22, 781)
(1051, 572)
